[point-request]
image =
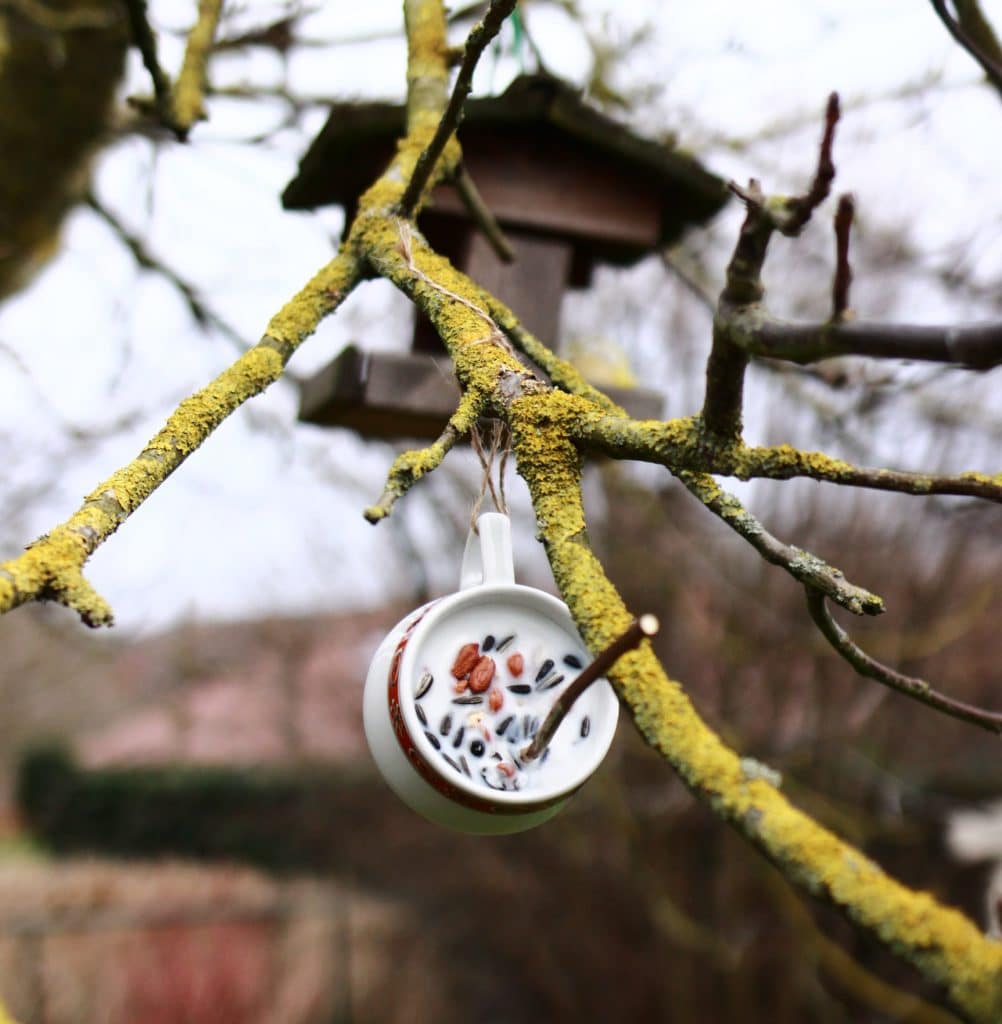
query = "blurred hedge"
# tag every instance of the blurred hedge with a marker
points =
(277, 819)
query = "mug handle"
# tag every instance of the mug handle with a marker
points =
(488, 556)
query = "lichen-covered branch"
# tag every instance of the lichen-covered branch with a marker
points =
(51, 569)
(179, 106)
(683, 444)
(563, 374)
(450, 116)
(817, 574)
(554, 427)
(947, 948)
(411, 466)
(917, 689)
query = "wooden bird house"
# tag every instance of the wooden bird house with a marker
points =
(569, 187)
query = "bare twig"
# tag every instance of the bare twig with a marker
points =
(640, 629)
(479, 37)
(975, 34)
(482, 216)
(801, 565)
(725, 368)
(200, 312)
(843, 270)
(146, 42)
(917, 689)
(975, 346)
(801, 208)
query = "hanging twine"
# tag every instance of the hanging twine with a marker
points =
(495, 337)
(500, 446)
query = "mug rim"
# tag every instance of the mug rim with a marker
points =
(458, 787)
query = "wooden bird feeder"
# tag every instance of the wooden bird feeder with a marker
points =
(569, 187)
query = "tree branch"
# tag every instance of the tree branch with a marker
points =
(682, 444)
(479, 37)
(180, 105)
(563, 374)
(51, 568)
(843, 271)
(202, 314)
(810, 570)
(482, 216)
(411, 466)
(973, 346)
(949, 950)
(975, 34)
(917, 689)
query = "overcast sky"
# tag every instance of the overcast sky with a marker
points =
(268, 514)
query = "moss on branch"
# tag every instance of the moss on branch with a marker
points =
(51, 568)
(946, 947)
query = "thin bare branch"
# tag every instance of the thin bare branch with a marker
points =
(743, 290)
(201, 313)
(146, 42)
(798, 211)
(917, 689)
(482, 216)
(975, 346)
(479, 37)
(843, 270)
(975, 34)
(644, 627)
(810, 570)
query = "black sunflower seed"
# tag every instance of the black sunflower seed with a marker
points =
(424, 685)
(520, 688)
(573, 661)
(488, 643)
(548, 684)
(465, 764)
(451, 762)
(585, 726)
(544, 669)
(445, 726)
(502, 728)
(458, 740)
(421, 716)
(470, 698)
(433, 740)
(505, 643)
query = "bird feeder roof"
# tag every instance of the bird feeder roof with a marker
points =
(543, 159)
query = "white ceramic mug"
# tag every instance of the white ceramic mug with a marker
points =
(458, 688)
